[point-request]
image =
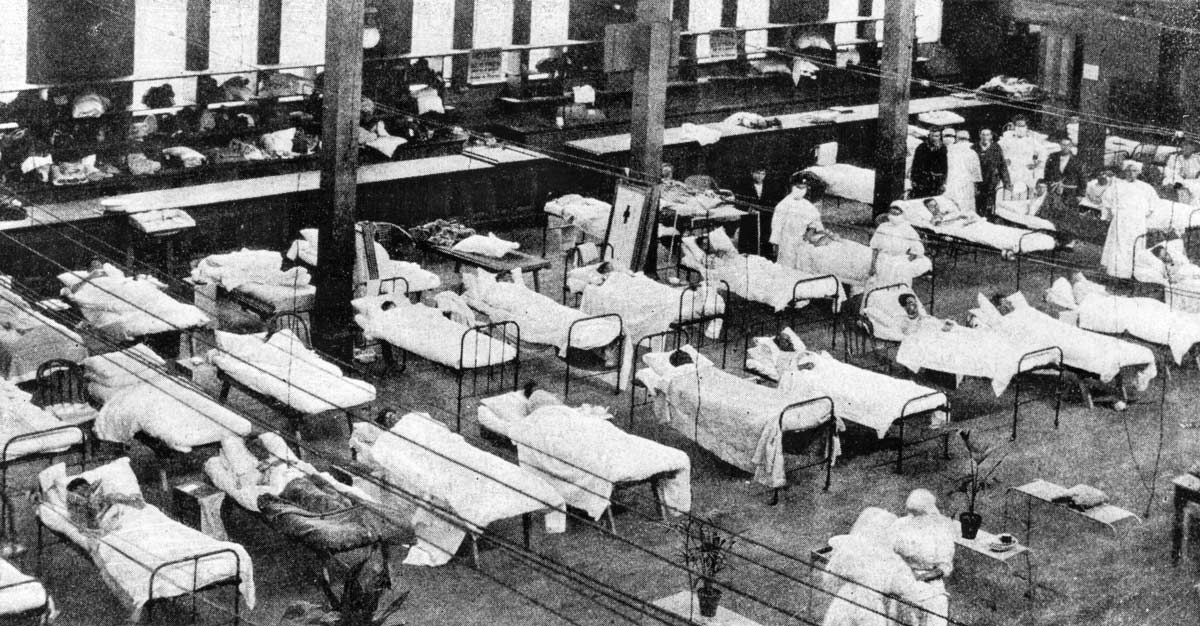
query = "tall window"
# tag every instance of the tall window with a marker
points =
(549, 24)
(433, 29)
(929, 20)
(703, 15)
(233, 35)
(14, 35)
(302, 32)
(160, 48)
(753, 13)
(493, 28)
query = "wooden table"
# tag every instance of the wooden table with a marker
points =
(515, 260)
(1046, 492)
(981, 546)
(685, 605)
(1187, 489)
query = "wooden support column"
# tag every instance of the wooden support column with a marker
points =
(652, 58)
(899, 27)
(1093, 104)
(333, 320)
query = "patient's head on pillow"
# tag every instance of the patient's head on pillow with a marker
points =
(932, 205)
(388, 417)
(529, 387)
(1000, 301)
(604, 268)
(705, 245)
(387, 305)
(542, 398)
(784, 342)
(81, 487)
(909, 302)
(680, 358)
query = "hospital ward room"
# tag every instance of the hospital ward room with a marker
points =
(544, 312)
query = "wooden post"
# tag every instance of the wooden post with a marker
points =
(899, 27)
(332, 319)
(652, 55)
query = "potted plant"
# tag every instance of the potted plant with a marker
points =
(705, 555)
(970, 521)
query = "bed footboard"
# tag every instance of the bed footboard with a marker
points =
(906, 413)
(834, 309)
(6, 520)
(493, 373)
(831, 425)
(619, 342)
(1026, 364)
(671, 339)
(573, 258)
(235, 580)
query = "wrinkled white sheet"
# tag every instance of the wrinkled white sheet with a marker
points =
(285, 370)
(418, 279)
(489, 245)
(1082, 349)
(864, 397)
(980, 231)
(647, 306)
(423, 458)
(126, 308)
(541, 319)
(426, 332)
(1016, 211)
(247, 266)
(582, 457)
(132, 542)
(28, 338)
(169, 410)
(847, 181)
(22, 598)
(1167, 215)
(977, 352)
(18, 416)
(736, 419)
(588, 214)
(1145, 318)
(756, 279)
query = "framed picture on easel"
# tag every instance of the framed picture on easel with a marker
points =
(629, 224)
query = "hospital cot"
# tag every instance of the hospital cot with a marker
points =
(23, 598)
(478, 352)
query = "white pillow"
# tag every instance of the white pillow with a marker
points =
(510, 406)
(1018, 301)
(719, 240)
(242, 464)
(1061, 294)
(660, 362)
(371, 305)
(309, 235)
(116, 477)
(988, 313)
(238, 345)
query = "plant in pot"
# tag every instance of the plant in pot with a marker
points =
(970, 521)
(705, 554)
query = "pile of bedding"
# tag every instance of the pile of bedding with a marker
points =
(131, 542)
(541, 319)
(282, 368)
(580, 453)
(125, 307)
(428, 333)
(974, 228)
(258, 275)
(1145, 318)
(588, 214)
(465, 488)
(304, 250)
(679, 200)
(139, 396)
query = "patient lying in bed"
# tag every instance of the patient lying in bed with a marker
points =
(89, 502)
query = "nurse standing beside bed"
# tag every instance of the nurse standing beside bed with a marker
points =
(794, 217)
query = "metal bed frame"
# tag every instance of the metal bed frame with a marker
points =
(234, 580)
(645, 344)
(34, 616)
(294, 417)
(7, 462)
(897, 424)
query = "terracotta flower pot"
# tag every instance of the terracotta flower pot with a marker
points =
(970, 523)
(710, 599)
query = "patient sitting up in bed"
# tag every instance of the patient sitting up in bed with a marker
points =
(714, 256)
(917, 319)
(88, 503)
(946, 218)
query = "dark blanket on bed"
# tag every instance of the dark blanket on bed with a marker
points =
(313, 512)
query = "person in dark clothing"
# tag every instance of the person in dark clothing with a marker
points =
(1064, 173)
(929, 166)
(763, 191)
(994, 170)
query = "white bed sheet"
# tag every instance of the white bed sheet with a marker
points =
(285, 370)
(734, 418)
(976, 352)
(135, 541)
(848, 386)
(541, 319)
(25, 597)
(647, 306)
(426, 332)
(756, 279)
(425, 459)
(588, 214)
(980, 231)
(1014, 211)
(847, 181)
(28, 339)
(167, 409)
(20, 417)
(1145, 318)
(126, 308)
(583, 456)
(418, 278)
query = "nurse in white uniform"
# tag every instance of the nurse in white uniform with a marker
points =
(793, 217)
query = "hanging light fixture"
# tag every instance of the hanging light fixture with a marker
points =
(370, 27)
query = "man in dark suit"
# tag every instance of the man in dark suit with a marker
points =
(928, 172)
(1064, 173)
(994, 170)
(763, 191)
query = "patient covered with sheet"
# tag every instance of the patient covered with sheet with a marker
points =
(754, 277)
(943, 217)
(126, 307)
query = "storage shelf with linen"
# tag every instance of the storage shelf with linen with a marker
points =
(309, 507)
(462, 489)
(735, 418)
(890, 404)
(279, 370)
(754, 279)
(142, 554)
(482, 351)
(543, 321)
(931, 344)
(584, 456)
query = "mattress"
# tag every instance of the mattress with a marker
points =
(30, 595)
(426, 332)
